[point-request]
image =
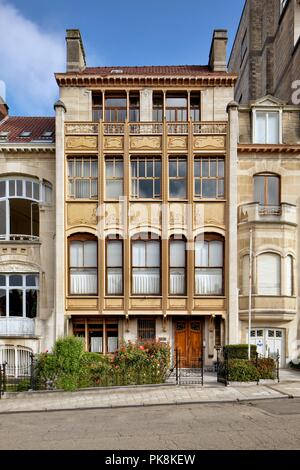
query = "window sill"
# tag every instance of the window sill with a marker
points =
(81, 200)
(79, 296)
(209, 200)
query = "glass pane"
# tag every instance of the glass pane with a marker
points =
(177, 281)
(20, 188)
(15, 280)
(209, 188)
(157, 168)
(142, 165)
(114, 281)
(198, 188)
(86, 168)
(138, 253)
(78, 167)
(114, 253)
(145, 281)
(205, 167)
(201, 253)
(119, 169)
(36, 191)
(146, 188)
(268, 274)
(94, 188)
(150, 165)
(2, 217)
(215, 254)
(177, 254)
(176, 102)
(94, 168)
(134, 165)
(209, 281)
(12, 188)
(260, 128)
(173, 168)
(2, 188)
(221, 189)
(273, 128)
(178, 189)
(2, 280)
(213, 168)
(114, 189)
(157, 188)
(182, 168)
(23, 217)
(259, 190)
(273, 191)
(70, 168)
(31, 280)
(31, 303)
(153, 254)
(29, 189)
(15, 303)
(2, 303)
(197, 166)
(221, 168)
(76, 254)
(82, 189)
(90, 254)
(115, 102)
(83, 281)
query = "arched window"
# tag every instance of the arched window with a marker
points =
(19, 207)
(289, 267)
(267, 190)
(268, 274)
(209, 265)
(177, 266)
(146, 262)
(83, 254)
(114, 266)
(245, 275)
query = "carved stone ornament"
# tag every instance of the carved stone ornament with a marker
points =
(81, 143)
(145, 143)
(82, 214)
(113, 142)
(177, 142)
(209, 142)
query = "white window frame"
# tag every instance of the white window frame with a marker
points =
(254, 120)
(23, 288)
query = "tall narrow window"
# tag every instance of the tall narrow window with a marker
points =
(266, 127)
(146, 329)
(115, 108)
(145, 266)
(83, 178)
(114, 267)
(209, 261)
(97, 107)
(83, 265)
(267, 190)
(245, 275)
(195, 107)
(157, 107)
(289, 267)
(177, 178)
(268, 274)
(134, 108)
(114, 177)
(177, 267)
(209, 178)
(146, 177)
(176, 108)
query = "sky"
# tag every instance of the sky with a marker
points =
(118, 32)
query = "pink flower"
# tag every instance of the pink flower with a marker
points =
(142, 348)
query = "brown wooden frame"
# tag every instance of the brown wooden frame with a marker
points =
(178, 158)
(267, 175)
(177, 109)
(116, 238)
(82, 237)
(146, 158)
(202, 178)
(114, 110)
(149, 237)
(83, 158)
(183, 239)
(209, 237)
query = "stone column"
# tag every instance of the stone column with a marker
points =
(231, 267)
(60, 110)
(146, 105)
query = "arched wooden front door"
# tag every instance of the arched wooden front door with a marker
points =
(188, 341)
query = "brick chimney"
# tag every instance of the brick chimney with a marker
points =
(217, 55)
(75, 51)
(3, 109)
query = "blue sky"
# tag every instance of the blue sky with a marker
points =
(132, 32)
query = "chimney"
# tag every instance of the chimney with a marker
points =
(75, 51)
(217, 55)
(3, 109)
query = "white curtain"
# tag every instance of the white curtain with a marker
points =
(268, 274)
(289, 275)
(177, 282)
(96, 344)
(146, 281)
(114, 281)
(82, 188)
(83, 282)
(209, 282)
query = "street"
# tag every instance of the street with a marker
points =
(270, 424)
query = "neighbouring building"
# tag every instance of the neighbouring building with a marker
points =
(266, 57)
(27, 236)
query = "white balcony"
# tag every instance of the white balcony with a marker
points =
(17, 327)
(282, 214)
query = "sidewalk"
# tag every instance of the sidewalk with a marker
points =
(149, 396)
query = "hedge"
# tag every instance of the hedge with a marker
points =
(239, 351)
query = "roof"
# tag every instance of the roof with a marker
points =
(37, 126)
(150, 70)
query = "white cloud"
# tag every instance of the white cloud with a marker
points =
(29, 57)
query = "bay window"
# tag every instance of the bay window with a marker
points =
(83, 178)
(177, 266)
(18, 295)
(146, 178)
(209, 263)
(114, 266)
(83, 264)
(269, 274)
(146, 266)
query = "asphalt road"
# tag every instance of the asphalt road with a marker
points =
(258, 425)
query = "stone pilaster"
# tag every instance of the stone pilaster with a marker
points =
(146, 105)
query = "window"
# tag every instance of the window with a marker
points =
(25, 134)
(102, 335)
(176, 108)
(209, 173)
(134, 108)
(83, 265)
(97, 107)
(289, 266)
(209, 260)
(146, 177)
(83, 178)
(115, 108)
(114, 177)
(177, 178)
(266, 127)
(177, 267)
(267, 190)
(19, 207)
(268, 274)
(146, 330)
(18, 295)
(18, 360)
(245, 275)
(145, 266)
(195, 107)
(218, 335)
(114, 267)
(157, 107)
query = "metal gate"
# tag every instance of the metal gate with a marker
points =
(2, 379)
(193, 375)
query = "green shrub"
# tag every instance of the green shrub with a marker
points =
(239, 351)
(23, 385)
(266, 368)
(240, 370)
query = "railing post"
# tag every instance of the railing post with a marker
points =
(0, 381)
(226, 363)
(4, 377)
(32, 373)
(277, 366)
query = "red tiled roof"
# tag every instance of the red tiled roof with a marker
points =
(151, 70)
(36, 125)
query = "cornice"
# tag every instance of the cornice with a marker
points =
(261, 148)
(26, 148)
(94, 80)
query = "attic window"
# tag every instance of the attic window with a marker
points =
(3, 135)
(116, 71)
(47, 134)
(25, 134)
